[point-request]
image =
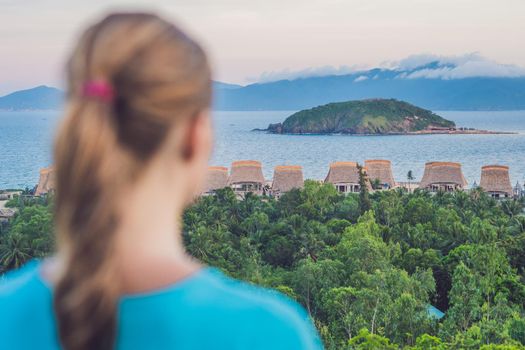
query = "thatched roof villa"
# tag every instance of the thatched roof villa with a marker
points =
(443, 176)
(495, 180)
(287, 177)
(410, 186)
(46, 183)
(7, 195)
(216, 178)
(6, 214)
(246, 176)
(381, 170)
(344, 176)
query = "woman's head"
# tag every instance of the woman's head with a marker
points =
(138, 95)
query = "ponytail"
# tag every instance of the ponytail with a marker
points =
(86, 295)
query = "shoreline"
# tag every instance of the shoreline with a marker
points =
(460, 132)
(409, 133)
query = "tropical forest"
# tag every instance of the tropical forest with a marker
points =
(382, 270)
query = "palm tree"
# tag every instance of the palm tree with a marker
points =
(410, 178)
(517, 225)
(511, 207)
(15, 250)
(364, 199)
(376, 184)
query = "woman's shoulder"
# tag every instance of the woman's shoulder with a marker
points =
(264, 313)
(23, 296)
(17, 283)
(235, 314)
(23, 292)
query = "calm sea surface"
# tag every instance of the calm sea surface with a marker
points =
(26, 140)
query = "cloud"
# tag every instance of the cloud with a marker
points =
(416, 61)
(413, 67)
(455, 67)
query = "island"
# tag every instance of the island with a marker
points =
(370, 117)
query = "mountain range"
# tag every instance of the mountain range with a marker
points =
(417, 85)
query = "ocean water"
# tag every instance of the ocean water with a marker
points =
(26, 140)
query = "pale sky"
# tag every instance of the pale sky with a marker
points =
(250, 40)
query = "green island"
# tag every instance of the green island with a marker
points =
(368, 117)
(373, 270)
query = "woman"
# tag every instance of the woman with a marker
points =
(130, 155)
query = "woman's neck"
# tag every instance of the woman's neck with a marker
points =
(148, 244)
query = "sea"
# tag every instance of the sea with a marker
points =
(26, 140)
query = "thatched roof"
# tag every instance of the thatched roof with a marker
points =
(245, 171)
(7, 213)
(443, 173)
(287, 177)
(46, 183)
(216, 178)
(343, 172)
(495, 178)
(380, 169)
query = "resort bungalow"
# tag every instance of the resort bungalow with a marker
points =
(216, 178)
(344, 176)
(6, 214)
(46, 183)
(7, 195)
(285, 178)
(409, 186)
(495, 180)
(380, 171)
(443, 176)
(246, 176)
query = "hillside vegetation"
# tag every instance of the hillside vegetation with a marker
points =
(372, 116)
(365, 272)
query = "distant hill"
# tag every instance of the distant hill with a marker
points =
(473, 93)
(373, 116)
(45, 97)
(38, 98)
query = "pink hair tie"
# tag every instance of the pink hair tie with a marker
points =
(99, 89)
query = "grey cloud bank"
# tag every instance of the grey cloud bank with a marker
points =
(467, 66)
(429, 66)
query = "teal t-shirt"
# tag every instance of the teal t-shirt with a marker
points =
(204, 311)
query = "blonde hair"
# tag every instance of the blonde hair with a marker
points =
(158, 75)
